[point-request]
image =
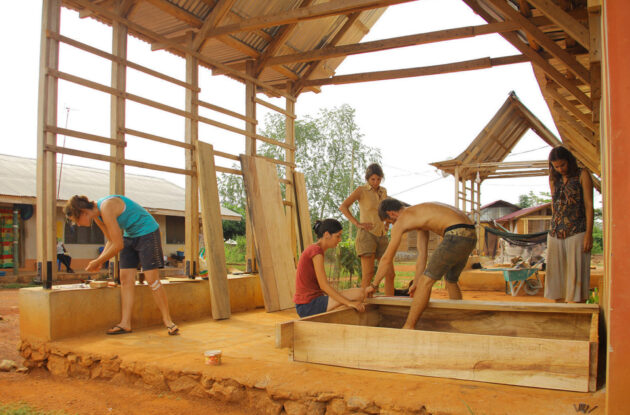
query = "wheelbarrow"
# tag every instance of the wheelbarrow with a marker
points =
(515, 279)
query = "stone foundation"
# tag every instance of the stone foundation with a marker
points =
(258, 398)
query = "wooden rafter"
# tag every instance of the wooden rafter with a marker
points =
(179, 47)
(352, 19)
(279, 40)
(585, 119)
(177, 12)
(470, 65)
(331, 8)
(218, 12)
(567, 23)
(543, 40)
(534, 56)
(397, 42)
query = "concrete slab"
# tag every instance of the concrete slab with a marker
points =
(258, 376)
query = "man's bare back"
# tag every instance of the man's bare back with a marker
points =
(430, 216)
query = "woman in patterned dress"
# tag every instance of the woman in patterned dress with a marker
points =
(571, 236)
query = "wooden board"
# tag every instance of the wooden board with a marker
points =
(304, 216)
(458, 343)
(269, 223)
(213, 232)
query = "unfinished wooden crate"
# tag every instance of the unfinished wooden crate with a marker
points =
(550, 346)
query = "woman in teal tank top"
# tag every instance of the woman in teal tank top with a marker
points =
(131, 231)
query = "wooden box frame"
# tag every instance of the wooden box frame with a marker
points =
(550, 346)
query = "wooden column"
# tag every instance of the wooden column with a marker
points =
(456, 199)
(291, 211)
(191, 223)
(250, 150)
(117, 120)
(616, 197)
(46, 207)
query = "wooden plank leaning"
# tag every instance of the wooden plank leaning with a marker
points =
(213, 232)
(304, 216)
(273, 247)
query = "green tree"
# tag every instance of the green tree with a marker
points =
(530, 199)
(329, 151)
(232, 228)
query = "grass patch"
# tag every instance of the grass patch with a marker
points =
(14, 286)
(25, 409)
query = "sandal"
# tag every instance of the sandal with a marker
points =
(117, 330)
(173, 330)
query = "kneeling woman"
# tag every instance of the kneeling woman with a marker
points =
(313, 293)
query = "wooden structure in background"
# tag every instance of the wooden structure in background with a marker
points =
(494, 342)
(269, 222)
(578, 50)
(213, 232)
(484, 157)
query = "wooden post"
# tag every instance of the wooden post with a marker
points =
(46, 210)
(117, 119)
(456, 199)
(290, 157)
(616, 169)
(191, 222)
(250, 150)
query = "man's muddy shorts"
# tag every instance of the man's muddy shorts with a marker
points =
(145, 250)
(451, 255)
(369, 244)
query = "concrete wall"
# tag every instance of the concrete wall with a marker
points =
(47, 315)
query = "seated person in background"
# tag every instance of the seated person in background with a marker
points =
(63, 257)
(313, 293)
(448, 259)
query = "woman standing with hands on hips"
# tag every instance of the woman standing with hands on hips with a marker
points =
(570, 239)
(313, 293)
(371, 240)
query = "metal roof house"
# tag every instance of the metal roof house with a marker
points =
(163, 199)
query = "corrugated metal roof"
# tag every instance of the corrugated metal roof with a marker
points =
(18, 179)
(523, 212)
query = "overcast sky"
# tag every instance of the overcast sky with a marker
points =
(414, 121)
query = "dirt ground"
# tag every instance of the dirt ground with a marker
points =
(41, 391)
(74, 396)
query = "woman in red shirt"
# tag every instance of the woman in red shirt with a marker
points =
(313, 293)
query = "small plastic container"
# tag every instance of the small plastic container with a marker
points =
(213, 357)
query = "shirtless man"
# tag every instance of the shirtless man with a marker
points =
(449, 258)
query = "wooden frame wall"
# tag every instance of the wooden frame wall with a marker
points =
(48, 129)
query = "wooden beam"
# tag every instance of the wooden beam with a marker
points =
(279, 40)
(567, 23)
(117, 60)
(274, 107)
(180, 48)
(299, 85)
(470, 65)
(397, 42)
(536, 125)
(217, 14)
(584, 132)
(46, 209)
(177, 12)
(535, 57)
(192, 188)
(318, 11)
(584, 118)
(158, 138)
(550, 46)
(110, 159)
(213, 232)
